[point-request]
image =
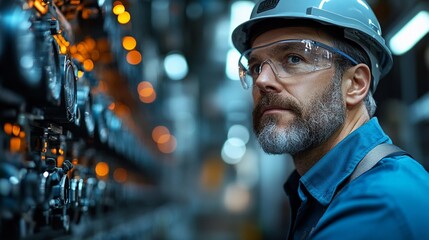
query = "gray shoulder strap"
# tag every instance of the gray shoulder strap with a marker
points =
(373, 157)
(370, 160)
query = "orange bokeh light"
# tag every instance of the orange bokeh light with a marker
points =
(81, 47)
(75, 161)
(118, 9)
(158, 132)
(78, 57)
(60, 160)
(120, 175)
(122, 110)
(15, 144)
(134, 57)
(73, 49)
(164, 138)
(95, 55)
(129, 43)
(149, 99)
(169, 146)
(7, 128)
(102, 169)
(90, 44)
(146, 92)
(124, 17)
(88, 65)
(143, 85)
(16, 129)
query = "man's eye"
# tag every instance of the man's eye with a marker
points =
(255, 68)
(294, 59)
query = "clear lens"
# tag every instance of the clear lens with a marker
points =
(286, 58)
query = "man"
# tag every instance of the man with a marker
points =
(313, 66)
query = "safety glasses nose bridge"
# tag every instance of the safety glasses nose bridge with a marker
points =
(259, 68)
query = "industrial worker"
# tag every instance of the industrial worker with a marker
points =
(313, 67)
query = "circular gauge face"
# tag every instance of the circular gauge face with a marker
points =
(70, 90)
(69, 87)
(53, 72)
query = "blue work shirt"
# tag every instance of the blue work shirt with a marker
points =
(389, 201)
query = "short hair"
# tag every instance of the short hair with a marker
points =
(341, 65)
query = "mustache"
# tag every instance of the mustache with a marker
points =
(272, 100)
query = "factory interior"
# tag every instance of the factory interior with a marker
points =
(125, 119)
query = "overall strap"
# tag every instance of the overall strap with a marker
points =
(374, 156)
(371, 159)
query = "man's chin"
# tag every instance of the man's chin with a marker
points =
(276, 124)
(270, 150)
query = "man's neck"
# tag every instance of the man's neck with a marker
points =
(307, 159)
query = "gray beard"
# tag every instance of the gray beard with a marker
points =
(324, 115)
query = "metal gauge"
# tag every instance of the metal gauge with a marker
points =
(66, 111)
(69, 79)
(69, 90)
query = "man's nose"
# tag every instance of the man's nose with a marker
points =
(267, 81)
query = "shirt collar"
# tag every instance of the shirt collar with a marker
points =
(322, 180)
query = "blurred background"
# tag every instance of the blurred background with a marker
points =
(125, 120)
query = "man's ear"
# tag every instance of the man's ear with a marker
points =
(358, 82)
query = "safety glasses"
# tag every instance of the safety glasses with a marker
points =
(287, 58)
